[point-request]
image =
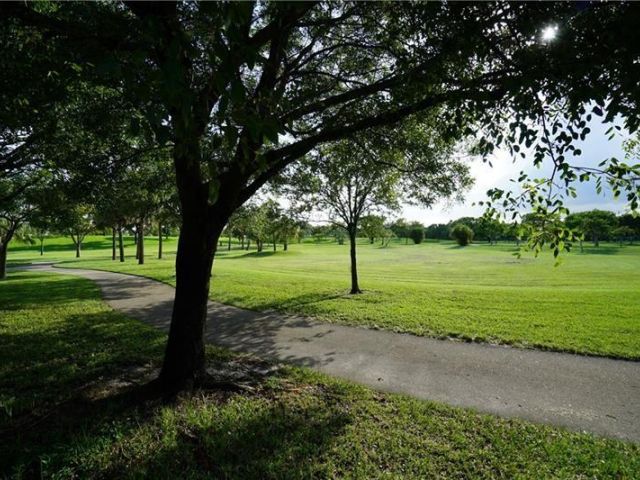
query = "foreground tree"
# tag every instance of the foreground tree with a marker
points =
(223, 82)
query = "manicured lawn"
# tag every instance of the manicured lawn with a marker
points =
(73, 406)
(589, 304)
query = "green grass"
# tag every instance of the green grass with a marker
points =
(589, 304)
(70, 370)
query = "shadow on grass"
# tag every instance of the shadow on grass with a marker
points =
(601, 250)
(255, 437)
(75, 383)
(248, 255)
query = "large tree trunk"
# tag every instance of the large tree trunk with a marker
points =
(184, 361)
(120, 243)
(3, 259)
(159, 241)
(140, 243)
(355, 288)
(113, 243)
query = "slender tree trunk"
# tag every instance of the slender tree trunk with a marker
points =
(113, 243)
(120, 243)
(242, 242)
(159, 241)
(41, 246)
(78, 243)
(248, 243)
(274, 244)
(229, 242)
(140, 243)
(355, 288)
(285, 244)
(3, 259)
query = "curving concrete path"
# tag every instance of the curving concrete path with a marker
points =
(593, 394)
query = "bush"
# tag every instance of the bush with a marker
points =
(416, 234)
(462, 234)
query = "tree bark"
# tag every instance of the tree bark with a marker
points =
(140, 243)
(159, 241)
(355, 287)
(78, 244)
(120, 243)
(113, 243)
(3, 260)
(184, 361)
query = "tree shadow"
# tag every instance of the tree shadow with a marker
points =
(265, 438)
(248, 255)
(601, 250)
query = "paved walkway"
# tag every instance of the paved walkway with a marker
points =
(598, 395)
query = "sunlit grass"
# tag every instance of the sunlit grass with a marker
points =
(589, 304)
(66, 415)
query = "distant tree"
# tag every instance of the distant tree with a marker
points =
(400, 229)
(273, 216)
(624, 234)
(357, 177)
(490, 229)
(631, 221)
(438, 231)
(596, 225)
(416, 232)
(76, 220)
(288, 227)
(372, 226)
(387, 235)
(258, 225)
(462, 234)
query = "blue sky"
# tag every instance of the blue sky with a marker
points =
(596, 147)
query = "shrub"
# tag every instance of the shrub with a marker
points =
(462, 234)
(416, 234)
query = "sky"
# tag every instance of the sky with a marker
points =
(596, 147)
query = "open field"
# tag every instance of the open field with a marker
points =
(589, 304)
(79, 409)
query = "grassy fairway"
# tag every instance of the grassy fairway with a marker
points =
(590, 304)
(71, 408)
